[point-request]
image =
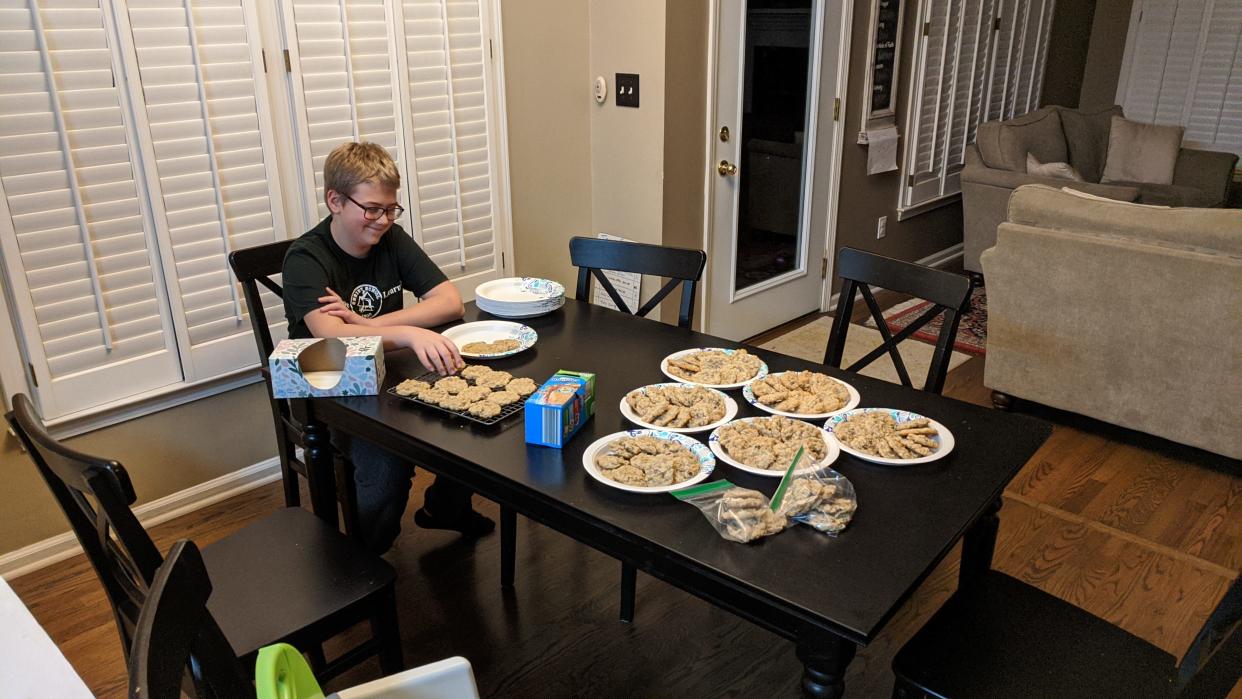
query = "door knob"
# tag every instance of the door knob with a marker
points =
(726, 168)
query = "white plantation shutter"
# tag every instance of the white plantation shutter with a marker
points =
(206, 115)
(344, 87)
(74, 231)
(976, 61)
(451, 136)
(1183, 65)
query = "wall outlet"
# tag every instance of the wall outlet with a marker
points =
(880, 223)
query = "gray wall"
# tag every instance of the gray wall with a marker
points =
(1067, 54)
(1105, 52)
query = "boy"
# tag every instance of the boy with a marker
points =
(343, 278)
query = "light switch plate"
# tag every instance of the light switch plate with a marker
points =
(627, 89)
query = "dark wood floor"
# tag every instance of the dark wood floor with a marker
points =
(1138, 531)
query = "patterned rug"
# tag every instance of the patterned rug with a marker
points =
(972, 331)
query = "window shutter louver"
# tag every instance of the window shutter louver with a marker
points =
(450, 136)
(206, 114)
(978, 60)
(74, 227)
(1183, 65)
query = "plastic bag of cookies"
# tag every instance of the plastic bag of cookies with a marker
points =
(823, 499)
(737, 514)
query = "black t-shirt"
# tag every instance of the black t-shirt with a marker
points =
(371, 285)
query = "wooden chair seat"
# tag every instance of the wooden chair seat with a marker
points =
(1003, 638)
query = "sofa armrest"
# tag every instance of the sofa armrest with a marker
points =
(978, 173)
(1205, 170)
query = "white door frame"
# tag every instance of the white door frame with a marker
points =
(836, 139)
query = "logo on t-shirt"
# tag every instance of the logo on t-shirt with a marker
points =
(366, 300)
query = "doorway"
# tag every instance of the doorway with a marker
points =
(765, 260)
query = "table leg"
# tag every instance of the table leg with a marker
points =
(508, 545)
(824, 658)
(978, 546)
(629, 580)
(320, 467)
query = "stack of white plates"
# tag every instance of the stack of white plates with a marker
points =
(519, 297)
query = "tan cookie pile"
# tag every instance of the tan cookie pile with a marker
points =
(495, 347)
(877, 433)
(746, 515)
(647, 461)
(477, 390)
(676, 406)
(801, 392)
(715, 367)
(771, 442)
(820, 504)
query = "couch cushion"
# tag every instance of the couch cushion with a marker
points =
(1086, 138)
(1139, 152)
(1170, 194)
(1063, 171)
(1216, 230)
(1003, 145)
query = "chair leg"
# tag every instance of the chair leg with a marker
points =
(387, 634)
(508, 545)
(347, 495)
(629, 579)
(317, 659)
(1002, 401)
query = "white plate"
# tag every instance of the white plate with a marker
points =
(491, 331)
(833, 451)
(943, 435)
(520, 313)
(729, 403)
(763, 369)
(850, 404)
(707, 462)
(519, 290)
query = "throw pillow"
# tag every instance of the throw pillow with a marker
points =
(1139, 152)
(1063, 171)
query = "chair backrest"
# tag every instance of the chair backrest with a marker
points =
(679, 265)
(254, 266)
(95, 494)
(176, 636)
(1211, 665)
(948, 293)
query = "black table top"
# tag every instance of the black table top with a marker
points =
(908, 518)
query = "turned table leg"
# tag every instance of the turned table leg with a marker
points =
(824, 658)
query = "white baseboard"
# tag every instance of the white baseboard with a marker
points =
(936, 259)
(62, 546)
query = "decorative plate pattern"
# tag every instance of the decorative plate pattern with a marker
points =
(763, 368)
(707, 462)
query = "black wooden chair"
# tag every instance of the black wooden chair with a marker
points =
(592, 256)
(176, 636)
(255, 266)
(287, 577)
(949, 294)
(1000, 637)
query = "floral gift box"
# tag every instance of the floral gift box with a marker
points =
(319, 367)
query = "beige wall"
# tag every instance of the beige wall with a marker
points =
(549, 107)
(164, 453)
(865, 197)
(1104, 54)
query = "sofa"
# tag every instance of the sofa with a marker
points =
(996, 164)
(1128, 313)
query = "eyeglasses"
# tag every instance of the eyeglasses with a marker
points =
(373, 213)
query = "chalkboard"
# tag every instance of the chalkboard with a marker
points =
(882, 60)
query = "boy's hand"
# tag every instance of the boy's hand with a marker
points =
(334, 305)
(435, 351)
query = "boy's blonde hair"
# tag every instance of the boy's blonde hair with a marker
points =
(351, 164)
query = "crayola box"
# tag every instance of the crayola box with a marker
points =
(560, 406)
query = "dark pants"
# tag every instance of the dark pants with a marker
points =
(383, 482)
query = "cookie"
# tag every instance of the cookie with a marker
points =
(474, 371)
(484, 409)
(411, 387)
(495, 379)
(522, 386)
(452, 384)
(503, 397)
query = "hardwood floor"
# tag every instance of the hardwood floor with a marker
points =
(1138, 531)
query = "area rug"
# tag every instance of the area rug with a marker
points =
(809, 342)
(972, 331)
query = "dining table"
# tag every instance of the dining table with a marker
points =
(828, 594)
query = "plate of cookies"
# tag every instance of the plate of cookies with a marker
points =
(802, 394)
(491, 339)
(678, 407)
(648, 461)
(477, 393)
(714, 367)
(890, 436)
(765, 446)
